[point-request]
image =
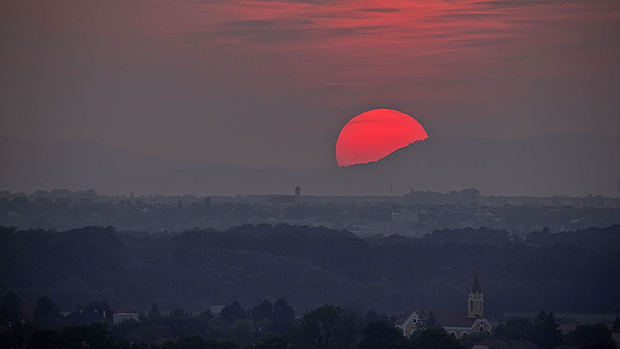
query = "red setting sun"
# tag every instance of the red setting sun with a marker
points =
(376, 134)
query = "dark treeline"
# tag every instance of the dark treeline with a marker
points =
(264, 326)
(570, 271)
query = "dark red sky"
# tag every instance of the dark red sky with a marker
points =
(273, 82)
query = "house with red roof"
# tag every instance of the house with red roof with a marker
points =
(458, 322)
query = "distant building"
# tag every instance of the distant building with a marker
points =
(85, 317)
(404, 219)
(286, 200)
(216, 309)
(120, 317)
(457, 322)
(297, 194)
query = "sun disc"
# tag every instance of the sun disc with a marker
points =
(375, 134)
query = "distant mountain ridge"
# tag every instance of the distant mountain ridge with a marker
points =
(561, 164)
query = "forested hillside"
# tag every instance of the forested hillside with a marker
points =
(309, 267)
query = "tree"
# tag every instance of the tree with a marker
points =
(597, 334)
(271, 341)
(469, 195)
(262, 311)
(10, 308)
(154, 313)
(600, 345)
(330, 327)
(19, 335)
(127, 328)
(190, 342)
(94, 335)
(242, 330)
(371, 315)
(435, 338)
(283, 316)
(154, 310)
(221, 344)
(546, 331)
(44, 338)
(517, 328)
(381, 334)
(431, 321)
(233, 312)
(46, 314)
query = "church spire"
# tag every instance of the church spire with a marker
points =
(475, 299)
(475, 286)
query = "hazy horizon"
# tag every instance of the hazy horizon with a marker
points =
(561, 164)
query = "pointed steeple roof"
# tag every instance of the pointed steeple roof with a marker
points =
(475, 286)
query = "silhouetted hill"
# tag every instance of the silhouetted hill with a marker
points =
(569, 164)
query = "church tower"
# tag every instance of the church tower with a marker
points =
(475, 300)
